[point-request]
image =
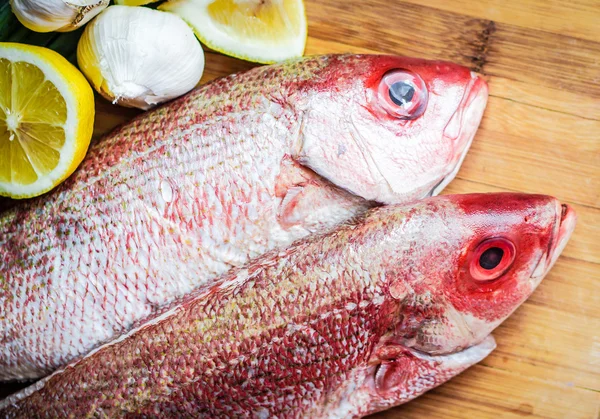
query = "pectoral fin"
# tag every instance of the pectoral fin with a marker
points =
(310, 201)
(404, 373)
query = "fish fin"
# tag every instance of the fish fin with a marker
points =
(393, 375)
(311, 201)
(293, 174)
(403, 373)
(287, 211)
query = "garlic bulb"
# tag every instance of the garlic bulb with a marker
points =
(139, 57)
(56, 15)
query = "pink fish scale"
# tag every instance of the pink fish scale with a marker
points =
(150, 176)
(315, 330)
(174, 199)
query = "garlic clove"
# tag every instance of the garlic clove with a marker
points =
(139, 57)
(56, 15)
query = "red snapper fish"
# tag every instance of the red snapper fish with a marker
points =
(242, 165)
(341, 325)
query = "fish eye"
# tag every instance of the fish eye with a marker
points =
(492, 258)
(403, 94)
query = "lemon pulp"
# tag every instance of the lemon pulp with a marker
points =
(46, 119)
(257, 19)
(32, 116)
(263, 31)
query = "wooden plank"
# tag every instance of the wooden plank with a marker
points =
(553, 132)
(400, 28)
(541, 58)
(560, 353)
(567, 151)
(219, 65)
(503, 160)
(577, 18)
(546, 98)
(109, 116)
(550, 60)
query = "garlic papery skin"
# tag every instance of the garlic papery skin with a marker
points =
(56, 15)
(139, 57)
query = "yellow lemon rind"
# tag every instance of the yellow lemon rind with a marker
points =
(134, 2)
(79, 99)
(259, 53)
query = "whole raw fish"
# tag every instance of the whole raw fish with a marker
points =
(245, 164)
(339, 325)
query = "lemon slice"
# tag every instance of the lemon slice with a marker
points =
(263, 31)
(46, 119)
(134, 2)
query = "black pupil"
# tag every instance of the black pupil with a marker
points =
(401, 92)
(491, 258)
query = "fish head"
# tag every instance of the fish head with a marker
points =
(386, 128)
(476, 259)
(456, 266)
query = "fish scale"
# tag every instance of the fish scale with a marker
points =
(324, 328)
(112, 195)
(141, 269)
(185, 192)
(317, 352)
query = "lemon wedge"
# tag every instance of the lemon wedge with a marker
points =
(262, 31)
(46, 119)
(134, 2)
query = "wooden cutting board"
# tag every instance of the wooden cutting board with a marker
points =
(540, 134)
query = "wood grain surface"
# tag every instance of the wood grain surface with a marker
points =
(540, 134)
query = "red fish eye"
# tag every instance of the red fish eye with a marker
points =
(402, 94)
(491, 259)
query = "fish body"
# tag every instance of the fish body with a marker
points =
(242, 165)
(340, 325)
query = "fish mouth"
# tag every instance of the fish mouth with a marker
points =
(461, 128)
(566, 218)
